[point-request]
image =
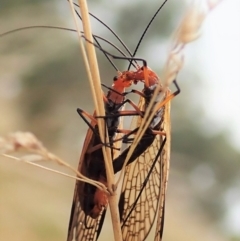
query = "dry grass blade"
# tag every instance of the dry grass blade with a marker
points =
(94, 79)
(31, 159)
(91, 65)
(26, 141)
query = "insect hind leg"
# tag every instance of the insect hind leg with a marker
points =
(82, 115)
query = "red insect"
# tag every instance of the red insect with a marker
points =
(142, 198)
(89, 203)
(144, 184)
(145, 180)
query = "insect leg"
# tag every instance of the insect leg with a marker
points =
(161, 104)
(83, 114)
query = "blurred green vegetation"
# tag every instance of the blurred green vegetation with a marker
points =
(45, 69)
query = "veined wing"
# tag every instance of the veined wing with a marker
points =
(143, 189)
(82, 227)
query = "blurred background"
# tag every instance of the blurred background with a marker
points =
(43, 81)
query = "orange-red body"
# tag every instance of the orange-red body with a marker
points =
(150, 77)
(92, 199)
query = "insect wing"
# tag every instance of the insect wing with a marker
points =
(82, 227)
(143, 189)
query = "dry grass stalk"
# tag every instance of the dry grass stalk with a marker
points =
(27, 142)
(97, 93)
(95, 84)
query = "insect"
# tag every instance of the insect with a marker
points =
(89, 203)
(145, 181)
(144, 184)
(142, 199)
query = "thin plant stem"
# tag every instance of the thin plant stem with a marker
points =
(100, 111)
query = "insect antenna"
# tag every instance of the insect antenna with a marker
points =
(113, 45)
(36, 26)
(110, 61)
(111, 30)
(80, 112)
(71, 30)
(116, 56)
(94, 36)
(145, 30)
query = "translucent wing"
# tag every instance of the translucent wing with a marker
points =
(82, 227)
(143, 190)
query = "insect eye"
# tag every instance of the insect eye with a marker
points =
(115, 78)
